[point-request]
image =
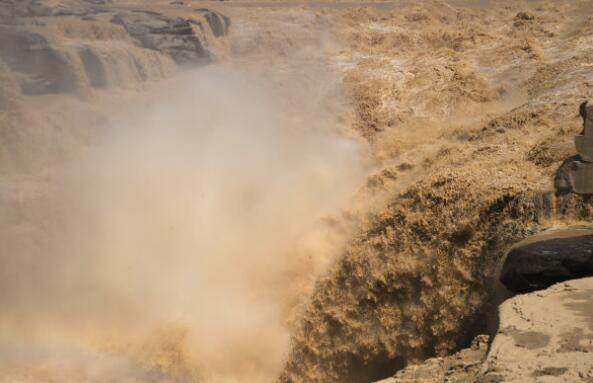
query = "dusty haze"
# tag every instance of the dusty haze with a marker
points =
(177, 246)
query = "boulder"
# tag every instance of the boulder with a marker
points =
(549, 258)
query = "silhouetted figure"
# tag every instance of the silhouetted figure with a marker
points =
(583, 113)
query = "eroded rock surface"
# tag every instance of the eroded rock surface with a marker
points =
(219, 24)
(42, 68)
(173, 36)
(545, 336)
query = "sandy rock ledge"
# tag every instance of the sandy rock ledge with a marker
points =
(544, 336)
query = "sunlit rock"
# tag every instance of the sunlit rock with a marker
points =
(576, 173)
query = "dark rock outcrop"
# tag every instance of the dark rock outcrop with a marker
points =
(219, 23)
(549, 258)
(41, 68)
(94, 68)
(170, 35)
